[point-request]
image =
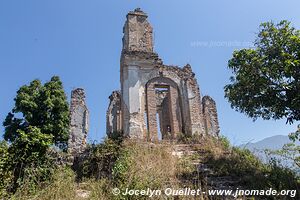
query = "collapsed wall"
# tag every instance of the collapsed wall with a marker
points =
(113, 114)
(79, 122)
(210, 116)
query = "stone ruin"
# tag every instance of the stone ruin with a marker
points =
(156, 101)
(79, 122)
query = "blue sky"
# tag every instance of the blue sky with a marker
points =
(80, 40)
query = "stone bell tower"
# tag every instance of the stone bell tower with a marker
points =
(137, 32)
(137, 60)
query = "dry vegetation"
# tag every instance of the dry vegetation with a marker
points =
(136, 165)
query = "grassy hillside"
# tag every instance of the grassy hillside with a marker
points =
(203, 164)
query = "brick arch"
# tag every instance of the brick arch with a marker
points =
(166, 74)
(173, 109)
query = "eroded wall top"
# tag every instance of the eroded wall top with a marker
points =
(137, 32)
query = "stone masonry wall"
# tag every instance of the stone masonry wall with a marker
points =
(79, 125)
(141, 71)
(210, 116)
(113, 115)
(137, 32)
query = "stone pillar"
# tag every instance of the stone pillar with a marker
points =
(210, 116)
(151, 113)
(175, 112)
(114, 114)
(79, 122)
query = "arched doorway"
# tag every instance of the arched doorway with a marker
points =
(163, 109)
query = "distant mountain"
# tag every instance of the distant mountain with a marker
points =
(272, 143)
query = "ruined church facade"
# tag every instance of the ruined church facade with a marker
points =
(156, 101)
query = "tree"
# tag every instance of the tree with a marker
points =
(27, 159)
(5, 175)
(266, 80)
(39, 119)
(41, 106)
(289, 152)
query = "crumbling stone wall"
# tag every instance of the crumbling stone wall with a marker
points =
(79, 125)
(180, 109)
(113, 115)
(137, 32)
(210, 116)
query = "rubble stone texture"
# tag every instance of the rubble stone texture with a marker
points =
(113, 115)
(211, 116)
(79, 125)
(156, 98)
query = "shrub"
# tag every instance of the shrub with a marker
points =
(225, 142)
(281, 177)
(27, 158)
(252, 173)
(97, 162)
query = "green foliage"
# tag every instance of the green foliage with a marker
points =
(266, 79)
(29, 145)
(137, 165)
(289, 152)
(281, 177)
(39, 119)
(240, 163)
(225, 142)
(27, 160)
(295, 135)
(266, 84)
(254, 174)
(99, 159)
(42, 106)
(117, 136)
(121, 167)
(5, 175)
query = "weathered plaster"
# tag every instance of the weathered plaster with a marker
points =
(180, 109)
